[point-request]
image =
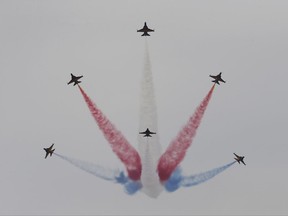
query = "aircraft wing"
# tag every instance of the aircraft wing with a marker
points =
(150, 30)
(140, 30)
(220, 79)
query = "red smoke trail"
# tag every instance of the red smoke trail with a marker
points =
(126, 153)
(178, 147)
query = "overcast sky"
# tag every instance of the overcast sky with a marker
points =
(42, 42)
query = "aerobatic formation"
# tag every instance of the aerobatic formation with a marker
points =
(148, 169)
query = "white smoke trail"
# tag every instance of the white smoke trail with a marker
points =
(149, 178)
(149, 147)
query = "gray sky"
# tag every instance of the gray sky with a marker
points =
(42, 42)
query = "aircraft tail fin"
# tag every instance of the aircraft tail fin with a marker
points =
(216, 81)
(237, 160)
(145, 34)
(52, 152)
(76, 82)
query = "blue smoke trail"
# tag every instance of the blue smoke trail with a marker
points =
(101, 172)
(173, 183)
(176, 180)
(202, 177)
(130, 186)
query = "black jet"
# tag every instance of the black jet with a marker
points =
(217, 78)
(239, 159)
(75, 79)
(147, 133)
(145, 30)
(49, 150)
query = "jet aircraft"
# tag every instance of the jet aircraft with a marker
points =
(75, 79)
(147, 133)
(217, 78)
(145, 30)
(49, 150)
(239, 159)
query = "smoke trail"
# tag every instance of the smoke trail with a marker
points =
(101, 172)
(130, 186)
(202, 177)
(149, 147)
(149, 178)
(176, 179)
(148, 110)
(177, 148)
(126, 153)
(173, 183)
